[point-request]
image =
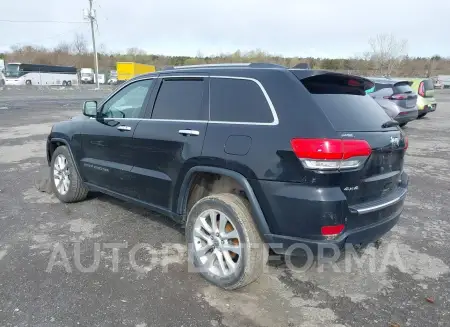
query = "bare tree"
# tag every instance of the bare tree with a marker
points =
(62, 47)
(387, 53)
(80, 45)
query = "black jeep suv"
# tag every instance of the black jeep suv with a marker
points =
(241, 155)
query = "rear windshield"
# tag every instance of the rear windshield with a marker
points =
(428, 84)
(402, 87)
(348, 108)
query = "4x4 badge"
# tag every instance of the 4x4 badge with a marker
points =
(395, 141)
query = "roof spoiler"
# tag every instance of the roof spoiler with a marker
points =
(404, 81)
(324, 77)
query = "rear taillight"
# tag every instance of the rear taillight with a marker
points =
(332, 230)
(421, 89)
(396, 97)
(331, 154)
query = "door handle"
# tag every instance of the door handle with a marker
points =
(189, 132)
(124, 128)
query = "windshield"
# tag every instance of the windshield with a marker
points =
(12, 70)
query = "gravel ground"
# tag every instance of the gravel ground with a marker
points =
(390, 287)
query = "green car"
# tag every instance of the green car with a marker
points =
(424, 87)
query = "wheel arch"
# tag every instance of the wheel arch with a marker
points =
(55, 142)
(189, 179)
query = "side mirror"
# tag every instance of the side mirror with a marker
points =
(90, 108)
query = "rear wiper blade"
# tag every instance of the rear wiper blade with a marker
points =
(390, 123)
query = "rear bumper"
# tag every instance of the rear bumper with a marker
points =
(407, 117)
(360, 237)
(297, 213)
(429, 107)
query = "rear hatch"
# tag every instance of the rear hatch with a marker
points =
(403, 95)
(361, 123)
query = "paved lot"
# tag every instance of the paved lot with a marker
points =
(33, 223)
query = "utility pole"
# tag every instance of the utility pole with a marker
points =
(91, 17)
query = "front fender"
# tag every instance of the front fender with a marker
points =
(67, 133)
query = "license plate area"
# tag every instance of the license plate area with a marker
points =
(410, 103)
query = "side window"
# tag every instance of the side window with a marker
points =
(238, 100)
(128, 102)
(180, 99)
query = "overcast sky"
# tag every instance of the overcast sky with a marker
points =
(320, 28)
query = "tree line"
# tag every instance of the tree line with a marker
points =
(386, 55)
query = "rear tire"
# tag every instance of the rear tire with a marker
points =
(249, 264)
(421, 115)
(69, 83)
(64, 83)
(28, 82)
(65, 181)
(402, 124)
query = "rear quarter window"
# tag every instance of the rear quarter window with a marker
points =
(238, 101)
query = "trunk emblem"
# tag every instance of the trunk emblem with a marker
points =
(395, 141)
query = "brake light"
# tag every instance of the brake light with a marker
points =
(396, 97)
(421, 89)
(352, 82)
(332, 230)
(331, 154)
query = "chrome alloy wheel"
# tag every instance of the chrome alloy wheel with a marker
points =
(61, 174)
(217, 244)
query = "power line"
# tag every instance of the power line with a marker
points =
(39, 21)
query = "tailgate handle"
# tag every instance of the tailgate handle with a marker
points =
(186, 132)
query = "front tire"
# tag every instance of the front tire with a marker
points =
(421, 115)
(223, 241)
(65, 181)
(28, 82)
(403, 124)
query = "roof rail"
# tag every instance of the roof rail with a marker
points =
(227, 65)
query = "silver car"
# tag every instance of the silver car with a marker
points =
(397, 98)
